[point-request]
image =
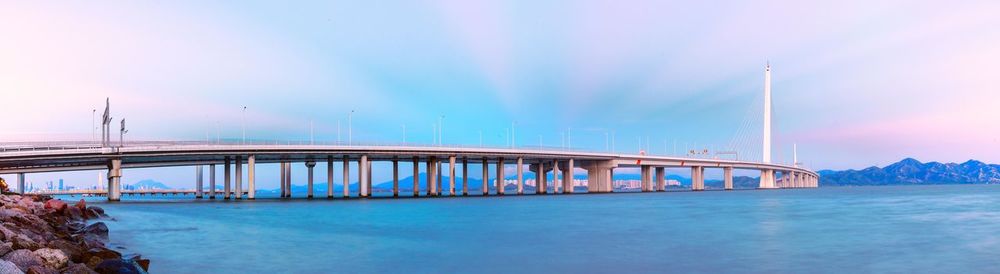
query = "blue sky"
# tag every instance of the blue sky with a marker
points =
(856, 83)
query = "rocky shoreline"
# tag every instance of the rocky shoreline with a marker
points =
(44, 235)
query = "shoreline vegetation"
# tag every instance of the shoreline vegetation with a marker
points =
(40, 234)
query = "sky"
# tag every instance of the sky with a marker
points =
(855, 83)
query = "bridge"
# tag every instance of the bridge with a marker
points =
(236, 157)
(21, 158)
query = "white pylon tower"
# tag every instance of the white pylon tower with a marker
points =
(767, 176)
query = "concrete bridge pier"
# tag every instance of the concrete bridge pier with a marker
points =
(238, 183)
(766, 179)
(431, 177)
(251, 166)
(661, 183)
(556, 185)
(697, 178)
(329, 177)
(568, 177)
(440, 176)
(368, 179)
(309, 184)
(465, 176)
(198, 184)
(363, 176)
(20, 183)
(451, 175)
(211, 181)
(346, 172)
(539, 177)
(644, 178)
(416, 176)
(227, 178)
(727, 177)
(520, 176)
(599, 174)
(486, 178)
(283, 167)
(395, 178)
(114, 180)
(500, 178)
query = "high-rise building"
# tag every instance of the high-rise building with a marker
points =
(60, 184)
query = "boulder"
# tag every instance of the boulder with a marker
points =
(100, 254)
(82, 205)
(119, 266)
(78, 269)
(98, 210)
(144, 263)
(73, 213)
(52, 258)
(41, 270)
(55, 205)
(71, 250)
(9, 267)
(22, 241)
(23, 259)
(6, 248)
(96, 231)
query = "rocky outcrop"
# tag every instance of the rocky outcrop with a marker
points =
(43, 235)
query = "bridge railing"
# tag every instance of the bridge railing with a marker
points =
(76, 145)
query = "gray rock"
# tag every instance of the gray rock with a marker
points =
(6, 248)
(119, 266)
(78, 269)
(9, 268)
(52, 258)
(23, 259)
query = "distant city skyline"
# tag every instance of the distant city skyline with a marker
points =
(855, 83)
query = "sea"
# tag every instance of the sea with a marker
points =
(878, 229)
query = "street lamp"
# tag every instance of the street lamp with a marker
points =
(243, 124)
(440, 131)
(350, 128)
(93, 125)
(512, 124)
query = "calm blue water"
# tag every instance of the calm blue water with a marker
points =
(942, 229)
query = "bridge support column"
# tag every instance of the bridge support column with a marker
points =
(283, 167)
(198, 181)
(368, 179)
(539, 174)
(288, 180)
(227, 178)
(395, 178)
(363, 176)
(727, 177)
(238, 183)
(556, 185)
(431, 176)
(697, 178)
(644, 178)
(661, 183)
(114, 180)
(211, 181)
(568, 177)
(346, 172)
(440, 177)
(451, 175)
(416, 176)
(309, 184)
(251, 187)
(520, 175)
(20, 183)
(329, 177)
(598, 176)
(465, 176)
(486, 178)
(766, 179)
(500, 177)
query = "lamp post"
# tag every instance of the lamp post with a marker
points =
(512, 124)
(243, 125)
(404, 134)
(350, 128)
(93, 125)
(440, 130)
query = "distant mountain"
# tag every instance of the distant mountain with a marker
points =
(148, 184)
(910, 171)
